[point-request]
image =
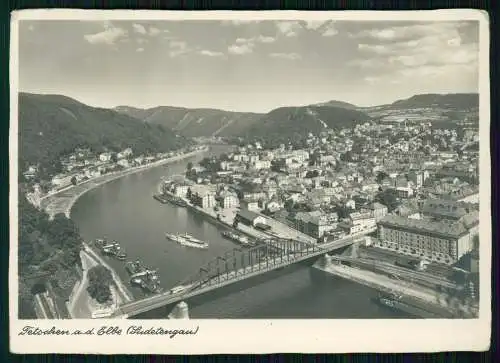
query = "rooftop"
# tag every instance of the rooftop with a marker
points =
(227, 193)
(455, 229)
(446, 208)
(359, 215)
(248, 215)
(315, 217)
(202, 190)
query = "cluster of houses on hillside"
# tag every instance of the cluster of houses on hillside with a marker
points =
(83, 164)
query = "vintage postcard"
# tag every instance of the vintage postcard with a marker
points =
(249, 182)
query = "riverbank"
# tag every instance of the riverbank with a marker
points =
(63, 200)
(225, 218)
(424, 298)
(122, 288)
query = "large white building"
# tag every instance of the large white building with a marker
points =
(203, 196)
(438, 241)
(180, 190)
(358, 222)
(229, 200)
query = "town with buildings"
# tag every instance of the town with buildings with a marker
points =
(412, 188)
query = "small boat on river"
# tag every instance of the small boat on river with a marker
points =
(147, 280)
(134, 267)
(397, 302)
(121, 256)
(238, 238)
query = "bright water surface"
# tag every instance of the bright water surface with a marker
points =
(124, 210)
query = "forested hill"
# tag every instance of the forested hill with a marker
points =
(293, 124)
(195, 122)
(340, 104)
(49, 251)
(52, 125)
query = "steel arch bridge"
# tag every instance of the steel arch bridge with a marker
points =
(235, 265)
(240, 262)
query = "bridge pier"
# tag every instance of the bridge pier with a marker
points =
(326, 260)
(355, 250)
(180, 311)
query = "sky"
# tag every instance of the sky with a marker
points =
(246, 65)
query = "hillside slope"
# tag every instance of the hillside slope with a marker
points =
(51, 126)
(458, 101)
(295, 123)
(194, 122)
(49, 248)
(444, 109)
(340, 104)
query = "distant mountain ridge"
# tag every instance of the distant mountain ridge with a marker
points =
(340, 104)
(287, 120)
(458, 101)
(194, 122)
(436, 108)
(278, 123)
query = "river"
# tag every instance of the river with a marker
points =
(124, 210)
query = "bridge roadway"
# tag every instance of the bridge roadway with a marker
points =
(214, 282)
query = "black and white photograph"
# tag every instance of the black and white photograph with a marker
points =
(282, 168)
